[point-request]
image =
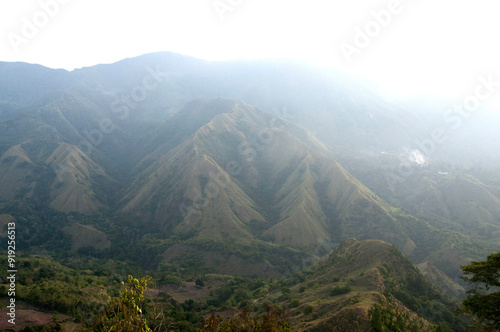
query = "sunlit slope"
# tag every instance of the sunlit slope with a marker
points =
(71, 190)
(246, 173)
(363, 285)
(16, 174)
(58, 173)
(179, 177)
(48, 155)
(42, 157)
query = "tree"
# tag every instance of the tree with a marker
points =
(482, 301)
(125, 312)
(199, 282)
(376, 318)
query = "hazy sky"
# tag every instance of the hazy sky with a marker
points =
(407, 46)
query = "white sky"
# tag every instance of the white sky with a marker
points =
(428, 45)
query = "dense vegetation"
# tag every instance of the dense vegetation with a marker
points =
(78, 291)
(97, 297)
(483, 300)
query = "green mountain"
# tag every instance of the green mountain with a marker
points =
(69, 191)
(364, 285)
(234, 178)
(152, 156)
(247, 171)
(181, 166)
(454, 200)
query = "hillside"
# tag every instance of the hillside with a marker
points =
(259, 174)
(362, 285)
(454, 200)
(235, 178)
(88, 148)
(68, 189)
(182, 168)
(359, 286)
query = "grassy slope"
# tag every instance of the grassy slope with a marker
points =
(284, 192)
(86, 236)
(339, 292)
(72, 192)
(456, 201)
(17, 174)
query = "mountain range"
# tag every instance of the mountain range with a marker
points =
(253, 168)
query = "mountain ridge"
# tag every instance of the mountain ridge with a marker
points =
(260, 163)
(363, 285)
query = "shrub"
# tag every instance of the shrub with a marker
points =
(308, 309)
(338, 290)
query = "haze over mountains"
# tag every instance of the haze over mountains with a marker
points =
(248, 167)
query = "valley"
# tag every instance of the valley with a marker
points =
(271, 183)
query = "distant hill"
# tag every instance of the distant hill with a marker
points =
(454, 200)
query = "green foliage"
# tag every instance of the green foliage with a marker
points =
(50, 285)
(486, 272)
(307, 309)
(44, 226)
(339, 290)
(285, 290)
(386, 318)
(294, 303)
(199, 282)
(480, 301)
(125, 313)
(404, 282)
